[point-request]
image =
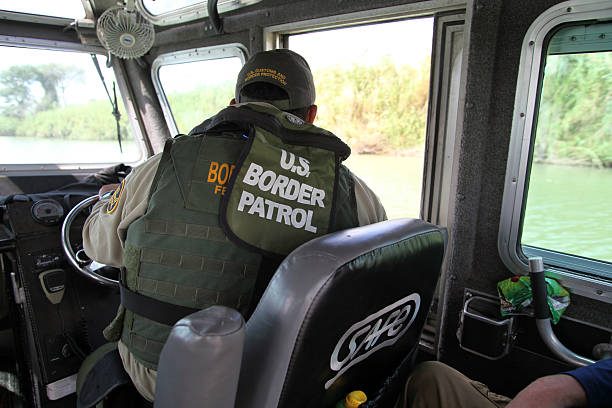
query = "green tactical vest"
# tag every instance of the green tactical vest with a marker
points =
(250, 182)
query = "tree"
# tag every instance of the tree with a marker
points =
(53, 79)
(18, 93)
(575, 113)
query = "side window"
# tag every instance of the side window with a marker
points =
(175, 12)
(194, 85)
(54, 110)
(567, 208)
(372, 92)
(559, 177)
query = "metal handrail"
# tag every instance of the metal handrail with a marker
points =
(542, 315)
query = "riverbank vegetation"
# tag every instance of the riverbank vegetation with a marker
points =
(575, 114)
(377, 109)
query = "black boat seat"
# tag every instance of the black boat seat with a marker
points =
(343, 312)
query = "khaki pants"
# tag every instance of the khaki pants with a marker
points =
(433, 384)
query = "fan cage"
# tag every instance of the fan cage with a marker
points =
(125, 34)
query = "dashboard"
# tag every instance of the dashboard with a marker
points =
(56, 315)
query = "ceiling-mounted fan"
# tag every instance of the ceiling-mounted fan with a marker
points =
(124, 32)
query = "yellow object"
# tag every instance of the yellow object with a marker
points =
(355, 399)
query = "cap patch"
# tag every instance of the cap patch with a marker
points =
(283, 68)
(268, 73)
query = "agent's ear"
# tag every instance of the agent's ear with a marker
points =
(311, 113)
(233, 101)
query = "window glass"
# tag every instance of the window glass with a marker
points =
(54, 109)
(372, 86)
(68, 9)
(165, 12)
(197, 90)
(568, 205)
(157, 7)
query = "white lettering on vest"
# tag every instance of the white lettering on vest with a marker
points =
(245, 199)
(258, 207)
(252, 175)
(317, 197)
(304, 196)
(293, 189)
(268, 174)
(279, 185)
(303, 169)
(308, 226)
(298, 218)
(287, 165)
(284, 214)
(283, 186)
(271, 206)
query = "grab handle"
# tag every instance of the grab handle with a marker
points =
(542, 316)
(538, 288)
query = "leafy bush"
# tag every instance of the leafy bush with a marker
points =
(8, 125)
(375, 109)
(575, 115)
(193, 107)
(92, 121)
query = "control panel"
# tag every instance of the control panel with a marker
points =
(61, 313)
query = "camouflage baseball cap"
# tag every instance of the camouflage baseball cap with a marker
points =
(283, 68)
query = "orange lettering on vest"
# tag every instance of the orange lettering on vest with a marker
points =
(212, 172)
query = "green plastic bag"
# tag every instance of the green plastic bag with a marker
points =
(514, 294)
(515, 297)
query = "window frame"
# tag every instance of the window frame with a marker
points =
(190, 12)
(445, 109)
(447, 90)
(274, 36)
(186, 56)
(58, 168)
(573, 271)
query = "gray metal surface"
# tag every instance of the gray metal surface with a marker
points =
(200, 363)
(553, 343)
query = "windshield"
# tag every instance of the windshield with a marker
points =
(54, 110)
(64, 8)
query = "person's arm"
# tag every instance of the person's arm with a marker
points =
(105, 229)
(107, 188)
(555, 391)
(369, 207)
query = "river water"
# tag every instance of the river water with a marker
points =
(569, 209)
(29, 150)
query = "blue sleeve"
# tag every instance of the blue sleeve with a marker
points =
(596, 380)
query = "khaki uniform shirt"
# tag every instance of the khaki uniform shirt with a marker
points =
(105, 231)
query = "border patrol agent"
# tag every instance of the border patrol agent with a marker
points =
(207, 221)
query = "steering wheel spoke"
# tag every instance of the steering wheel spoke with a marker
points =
(80, 260)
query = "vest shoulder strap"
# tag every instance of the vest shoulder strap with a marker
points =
(289, 128)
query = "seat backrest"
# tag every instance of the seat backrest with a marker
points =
(341, 313)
